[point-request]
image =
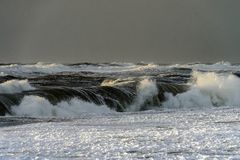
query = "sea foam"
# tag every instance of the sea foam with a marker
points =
(40, 107)
(207, 90)
(146, 89)
(15, 86)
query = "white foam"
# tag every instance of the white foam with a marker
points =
(2, 74)
(219, 66)
(146, 90)
(152, 67)
(199, 134)
(40, 67)
(15, 86)
(40, 107)
(49, 68)
(120, 67)
(119, 81)
(149, 67)
(207, 90)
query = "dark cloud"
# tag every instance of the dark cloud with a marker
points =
(165, 31)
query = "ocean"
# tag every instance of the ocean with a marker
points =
(120, 111)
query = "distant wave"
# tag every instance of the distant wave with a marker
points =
(219, 66)
(127, 68)
(32, 69)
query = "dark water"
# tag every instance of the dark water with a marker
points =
(119, 111)
(115, 85)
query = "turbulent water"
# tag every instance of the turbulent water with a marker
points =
(152, 109)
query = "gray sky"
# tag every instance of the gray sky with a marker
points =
(162, 31)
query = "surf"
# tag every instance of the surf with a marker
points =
(134, 88)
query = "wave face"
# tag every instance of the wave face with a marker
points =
(45, 89)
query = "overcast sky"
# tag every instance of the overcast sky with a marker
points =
(162, 31)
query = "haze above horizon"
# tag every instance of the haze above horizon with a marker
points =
(166, 31)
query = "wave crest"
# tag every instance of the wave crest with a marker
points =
(207, 89)
(146, 91)
(15, 86)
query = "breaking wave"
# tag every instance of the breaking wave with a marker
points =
(219, 66)
(40, 67)
(146, 91)
(39, 107)
(117, 68)
(207, 90)
(15, 86)
(103, 90)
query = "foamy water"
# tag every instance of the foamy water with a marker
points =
(207, 90)
(51, 68)
(119, 111)
(35, 106)
(146, 90)
(15, 86)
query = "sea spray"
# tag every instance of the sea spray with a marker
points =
(125, 91)
(207, 90)
(146, 90)
(40, 107)
(15, 86)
